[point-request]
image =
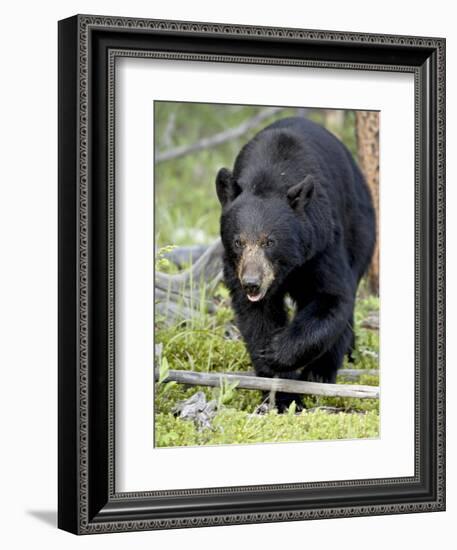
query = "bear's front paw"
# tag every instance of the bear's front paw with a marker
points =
(279, 353)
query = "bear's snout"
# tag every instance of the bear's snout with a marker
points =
(255, 273)
(251, 284)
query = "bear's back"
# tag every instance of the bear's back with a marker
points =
(286, 151)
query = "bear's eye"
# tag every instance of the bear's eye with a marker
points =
(238, 243)
(269, 243)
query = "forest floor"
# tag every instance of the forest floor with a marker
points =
(211, 343)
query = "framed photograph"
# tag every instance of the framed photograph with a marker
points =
(251, 274)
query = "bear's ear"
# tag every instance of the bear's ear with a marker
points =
(226, 187)
(300, 194)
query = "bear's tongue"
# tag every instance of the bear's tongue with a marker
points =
(255, 297)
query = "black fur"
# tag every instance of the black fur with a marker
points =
(298, 184)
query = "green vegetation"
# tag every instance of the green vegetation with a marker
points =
(232, 426)
(206, 344)
(187, 212)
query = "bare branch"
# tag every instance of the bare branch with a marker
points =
(217, 139)
(272, 384)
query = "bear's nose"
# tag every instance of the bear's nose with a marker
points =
(251, 284)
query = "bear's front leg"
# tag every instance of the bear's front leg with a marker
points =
(313, 332)
(321, 319)
(258, 323)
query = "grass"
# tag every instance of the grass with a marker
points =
(231, 426)
(187, 212)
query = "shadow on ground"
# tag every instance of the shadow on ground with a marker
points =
(46, 516)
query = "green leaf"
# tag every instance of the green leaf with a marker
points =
(169, 385)
(164, 370)
(292, 409)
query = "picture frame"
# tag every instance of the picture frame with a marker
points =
(88, 501)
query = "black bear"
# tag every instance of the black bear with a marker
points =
(297, 219)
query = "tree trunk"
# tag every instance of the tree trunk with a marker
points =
(367, 133)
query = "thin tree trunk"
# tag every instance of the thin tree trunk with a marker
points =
(367, 133)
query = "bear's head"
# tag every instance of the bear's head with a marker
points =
(266, 236)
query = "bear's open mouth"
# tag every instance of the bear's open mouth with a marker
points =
(255, 297)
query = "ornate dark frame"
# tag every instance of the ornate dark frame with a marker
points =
(88, 47)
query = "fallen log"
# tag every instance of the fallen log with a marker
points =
(183, 255)
(207, 269)
(371, 322)
(347, 373)
(247, 382)
(351, 374)
(177, 296)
